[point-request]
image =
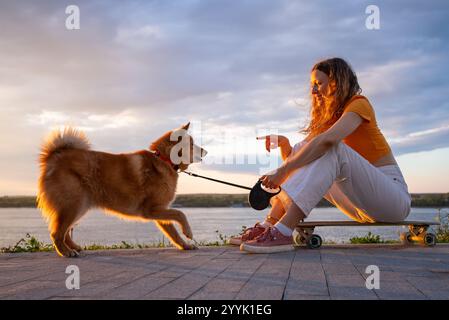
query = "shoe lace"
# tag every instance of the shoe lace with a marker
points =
(268, 234)
(250, 230)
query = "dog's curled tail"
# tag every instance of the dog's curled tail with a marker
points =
(68, 138)
(57, 140)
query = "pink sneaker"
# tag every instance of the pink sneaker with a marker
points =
(270, 241)
(249, 234)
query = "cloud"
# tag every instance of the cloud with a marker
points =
(86, 121)
(136, 69)
(138, 36)
(422, 140)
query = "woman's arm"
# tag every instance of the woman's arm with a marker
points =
(315, 148)
(319, 145)
(286, 149)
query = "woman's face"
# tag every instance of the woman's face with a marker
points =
(321, 88)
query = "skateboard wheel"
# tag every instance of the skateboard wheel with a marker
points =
(406, 238)
(430, 239)
(314, 242)
(298, 239)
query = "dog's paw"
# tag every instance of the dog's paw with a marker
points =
(65, 251)
(189, 246)
(188, 233)
(70, 254)
(77, 248)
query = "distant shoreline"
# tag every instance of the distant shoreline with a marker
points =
(201, 200)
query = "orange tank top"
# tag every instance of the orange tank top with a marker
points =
(367, 139)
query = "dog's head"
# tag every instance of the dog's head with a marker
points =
(178, 146)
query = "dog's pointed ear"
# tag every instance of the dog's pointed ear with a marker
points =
(186, 126)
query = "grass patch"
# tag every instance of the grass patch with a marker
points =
(28, 244)
(369, 238)
(442, 231)
(124, 245)
(32, 244)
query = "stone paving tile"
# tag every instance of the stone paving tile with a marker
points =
(88, 274)
(137, 288)
(269, 280)
(219, 288)
(180, 288)
(32, 290)
(433, 288)
(351, 293)
(345, 280)
(334, 256)
(223, 284)
(306, 287)
(344, 286)
(395, 274)
(229, 282)
(69, 298)
(244, 268)
(307, 255)
(173, 272)
(205, 268)
(232, 252)
(297, 296)
(307, 277)
(398, 290)
(412, 271)
(27, 270)
(214, 267)
(17, 276)
(332, 272)
(214, 295)
(385, 274)
(94, 289)
(339, 268)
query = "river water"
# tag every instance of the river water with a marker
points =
(207, 223)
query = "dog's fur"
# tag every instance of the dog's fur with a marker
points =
(139, 185)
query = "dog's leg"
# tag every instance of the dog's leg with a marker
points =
(171, 233)
(171, 215)
(72, 245)
(63, 220)
(58, 235)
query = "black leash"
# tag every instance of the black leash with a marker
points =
(219, 181)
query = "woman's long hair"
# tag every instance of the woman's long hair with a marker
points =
(346, 86)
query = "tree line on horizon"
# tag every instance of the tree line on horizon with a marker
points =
(438, 200)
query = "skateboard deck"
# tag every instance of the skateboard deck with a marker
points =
(355, 223)
(417, 231)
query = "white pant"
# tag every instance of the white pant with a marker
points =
(362, 191)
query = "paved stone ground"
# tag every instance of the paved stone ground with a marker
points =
(332, 272)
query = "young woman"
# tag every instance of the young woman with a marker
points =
(344, 158)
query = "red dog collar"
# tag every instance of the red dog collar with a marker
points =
(158, 154)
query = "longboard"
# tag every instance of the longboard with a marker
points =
(417, 231)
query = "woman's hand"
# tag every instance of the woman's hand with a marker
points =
(274, 180)
(273, 141)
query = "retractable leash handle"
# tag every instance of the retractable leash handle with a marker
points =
(259, 196)
(270, 190)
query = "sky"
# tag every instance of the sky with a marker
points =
(235, 69)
